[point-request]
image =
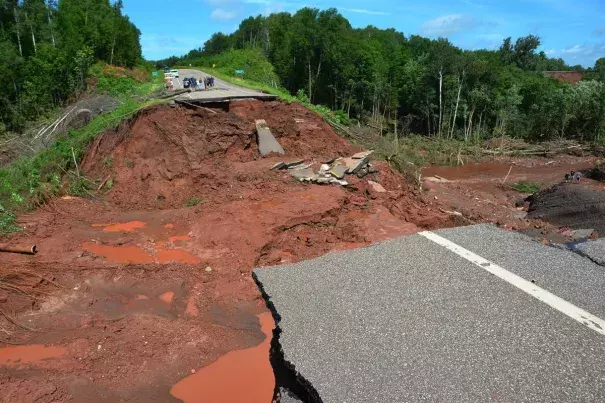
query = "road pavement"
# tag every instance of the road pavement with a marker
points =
(222, 90)
(469, 314)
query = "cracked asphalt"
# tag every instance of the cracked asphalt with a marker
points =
(410, 321)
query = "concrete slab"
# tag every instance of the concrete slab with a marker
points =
(267, 144)
(339, 170)
(408, 320)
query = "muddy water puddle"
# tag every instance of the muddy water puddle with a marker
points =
(32, 354)
(130, 226)
(238, 376)
(487, 170)
(135, 254)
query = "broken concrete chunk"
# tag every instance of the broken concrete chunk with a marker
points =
(362, 172)
(267, 144)
(362, 155)
(294, 164)
(339, 170)
(278, 166)
(330, 161)
(377, 187)
(304, 174)
(354, 165)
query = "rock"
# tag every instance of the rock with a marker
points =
(362, 155)
(580, 234)
(338, 170)
(377, 187)
(208, 269)
(267, 144)
(436, 179)
(324, 168)
(372, 169)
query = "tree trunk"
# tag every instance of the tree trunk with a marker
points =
(440, 100)
(52, 34)
(113, 45)
(310, 81)
(469, 129)
(18, 29)
(460, 82)
(31, 28)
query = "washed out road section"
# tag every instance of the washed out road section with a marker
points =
(221, 92)
(409, 320)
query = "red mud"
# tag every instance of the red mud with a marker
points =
(18, 355)
(238, 376)
(123, 227)
(163, 288)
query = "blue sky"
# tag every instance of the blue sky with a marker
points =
(571, 29)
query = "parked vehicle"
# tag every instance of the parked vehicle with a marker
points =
(189, 82)
(175, 73)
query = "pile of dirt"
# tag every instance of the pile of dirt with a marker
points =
(166, 156)
(154, 273)
(571, 205)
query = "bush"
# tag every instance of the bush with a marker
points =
(253, 61)
(526, 187)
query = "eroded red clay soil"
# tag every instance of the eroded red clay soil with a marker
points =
(140, 290)
(135, 297)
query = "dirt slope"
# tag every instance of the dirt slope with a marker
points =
(137, 262)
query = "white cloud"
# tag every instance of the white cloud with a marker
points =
(363, 11)
(574, 49)
(449, 24)
(222, 15)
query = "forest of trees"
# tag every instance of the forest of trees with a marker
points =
(426, 86)
(47, 47)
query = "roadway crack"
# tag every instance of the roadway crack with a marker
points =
(287, 378)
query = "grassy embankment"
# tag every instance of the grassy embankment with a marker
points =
(30, 181)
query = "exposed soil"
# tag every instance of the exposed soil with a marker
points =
(482, 192)
(140, 292)
(136, 297)
(570, 205)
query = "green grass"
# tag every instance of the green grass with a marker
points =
(194, 201)
(526, 187)
(107, 162)
(31, 181)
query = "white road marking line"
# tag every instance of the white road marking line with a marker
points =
(593, 322)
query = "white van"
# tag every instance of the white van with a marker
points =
(175, 73)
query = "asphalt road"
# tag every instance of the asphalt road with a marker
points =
(222, 90)
(469, 314)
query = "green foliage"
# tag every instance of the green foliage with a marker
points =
(129, 163)
(379, 76)
(47, 49)
(30, 181)
(107, 162)
(526, 187)
(252, 61)
(194, 201)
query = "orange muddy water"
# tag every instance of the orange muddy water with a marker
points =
(15, 355)
(238, 376)
(122, 227)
